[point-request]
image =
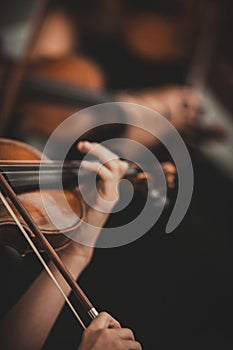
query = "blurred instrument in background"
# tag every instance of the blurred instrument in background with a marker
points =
(19, 29)
(46, 48)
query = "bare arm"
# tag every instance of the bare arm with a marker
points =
(28, 323)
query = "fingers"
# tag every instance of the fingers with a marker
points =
(170, 173)
(97, 167)
(191, 98)
(99, 151)
(109, 159)
(183, 97)
(104, 320)
(117, 338)
(185, 104)
(126, 334)
(191, 102)
(132, 345)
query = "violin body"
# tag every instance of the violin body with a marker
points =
(42, 117)
(11, 150)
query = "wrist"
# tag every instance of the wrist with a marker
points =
(76, 257)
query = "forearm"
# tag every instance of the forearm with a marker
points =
(28, 324)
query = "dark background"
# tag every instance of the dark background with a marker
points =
(174, 291)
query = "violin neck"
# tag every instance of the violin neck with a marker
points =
(30, 181)
(32, 176)
(53, 91)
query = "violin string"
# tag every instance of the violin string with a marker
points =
(41, 259)
(69, 163)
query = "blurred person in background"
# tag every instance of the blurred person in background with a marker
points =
(58, 55)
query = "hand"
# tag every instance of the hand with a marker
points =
(170, 174)
(105, 332)
(110, 170)
(182, 105)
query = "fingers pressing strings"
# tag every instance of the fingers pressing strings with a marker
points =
(109, 168)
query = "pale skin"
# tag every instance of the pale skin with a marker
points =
(30, 314)
(181, 105)
(106, 333)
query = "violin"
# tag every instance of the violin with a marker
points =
(18, 163)
(22, 168)
(31, 199)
